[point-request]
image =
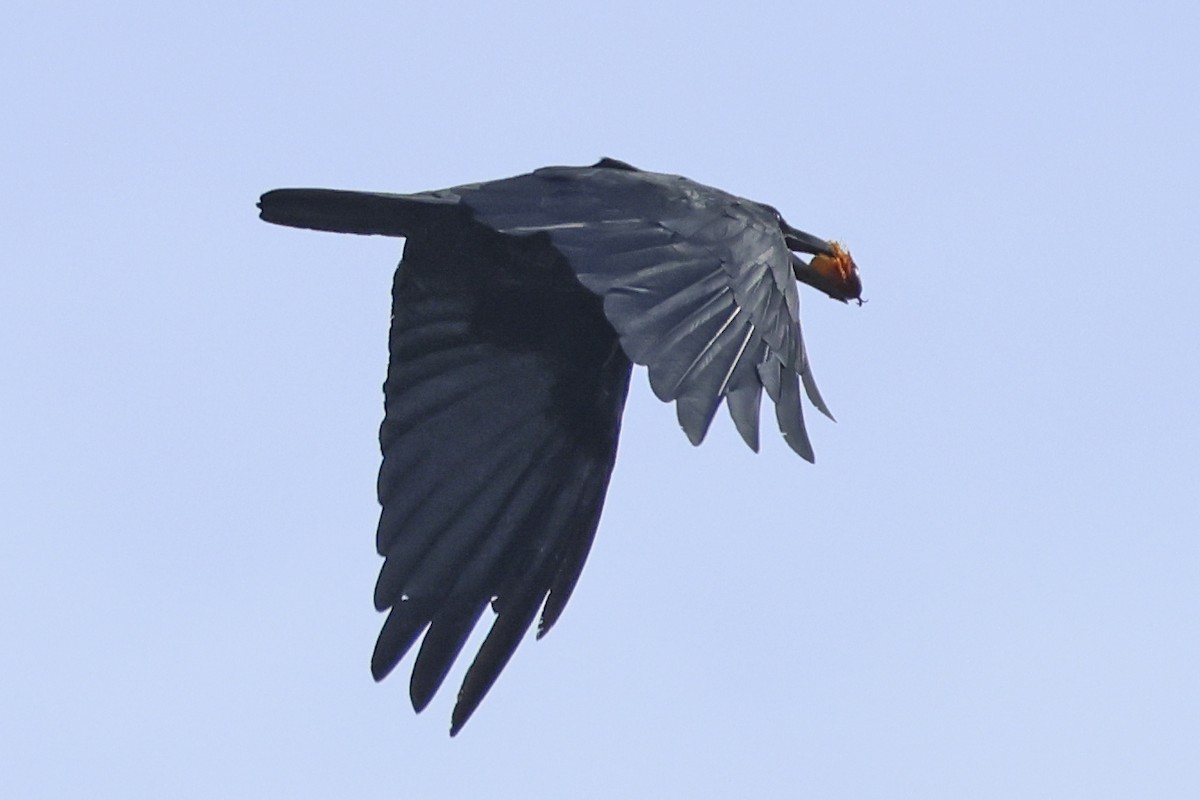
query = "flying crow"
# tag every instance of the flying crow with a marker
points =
(517, 310)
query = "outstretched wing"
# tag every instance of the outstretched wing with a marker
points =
(503, 404)
(698, 284)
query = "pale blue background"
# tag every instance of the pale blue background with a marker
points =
(987, 587)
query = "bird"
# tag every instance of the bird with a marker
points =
(518, 309)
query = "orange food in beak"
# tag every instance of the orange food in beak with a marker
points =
(840, 272)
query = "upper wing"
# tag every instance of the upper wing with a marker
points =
(503, 404)
(698, 284)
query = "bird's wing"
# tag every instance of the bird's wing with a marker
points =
(698, 284)
(503, 404)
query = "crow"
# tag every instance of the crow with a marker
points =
(518, 310)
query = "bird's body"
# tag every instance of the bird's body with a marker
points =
(518, 308)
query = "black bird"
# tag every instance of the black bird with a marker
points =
(516, 311)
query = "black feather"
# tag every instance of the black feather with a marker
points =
(517, 310)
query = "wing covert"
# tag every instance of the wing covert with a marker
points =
(698, 283)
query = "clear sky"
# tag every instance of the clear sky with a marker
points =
(988, 586)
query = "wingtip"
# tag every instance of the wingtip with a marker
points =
(789, 413)
(380, 668)
(460, 715)
(420, 700)
(810, 389)
(802, 448)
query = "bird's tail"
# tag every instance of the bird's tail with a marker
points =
(357, 212)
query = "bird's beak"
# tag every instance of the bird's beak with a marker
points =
(802, 242)
(831, 270)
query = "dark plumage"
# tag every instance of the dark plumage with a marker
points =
(517, 310)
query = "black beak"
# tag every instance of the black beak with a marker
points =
(802, 242)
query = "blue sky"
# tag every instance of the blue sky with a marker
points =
(987, 586)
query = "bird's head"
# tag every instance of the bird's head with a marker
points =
(832, 269)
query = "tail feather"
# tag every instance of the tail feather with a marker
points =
(357, 212)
